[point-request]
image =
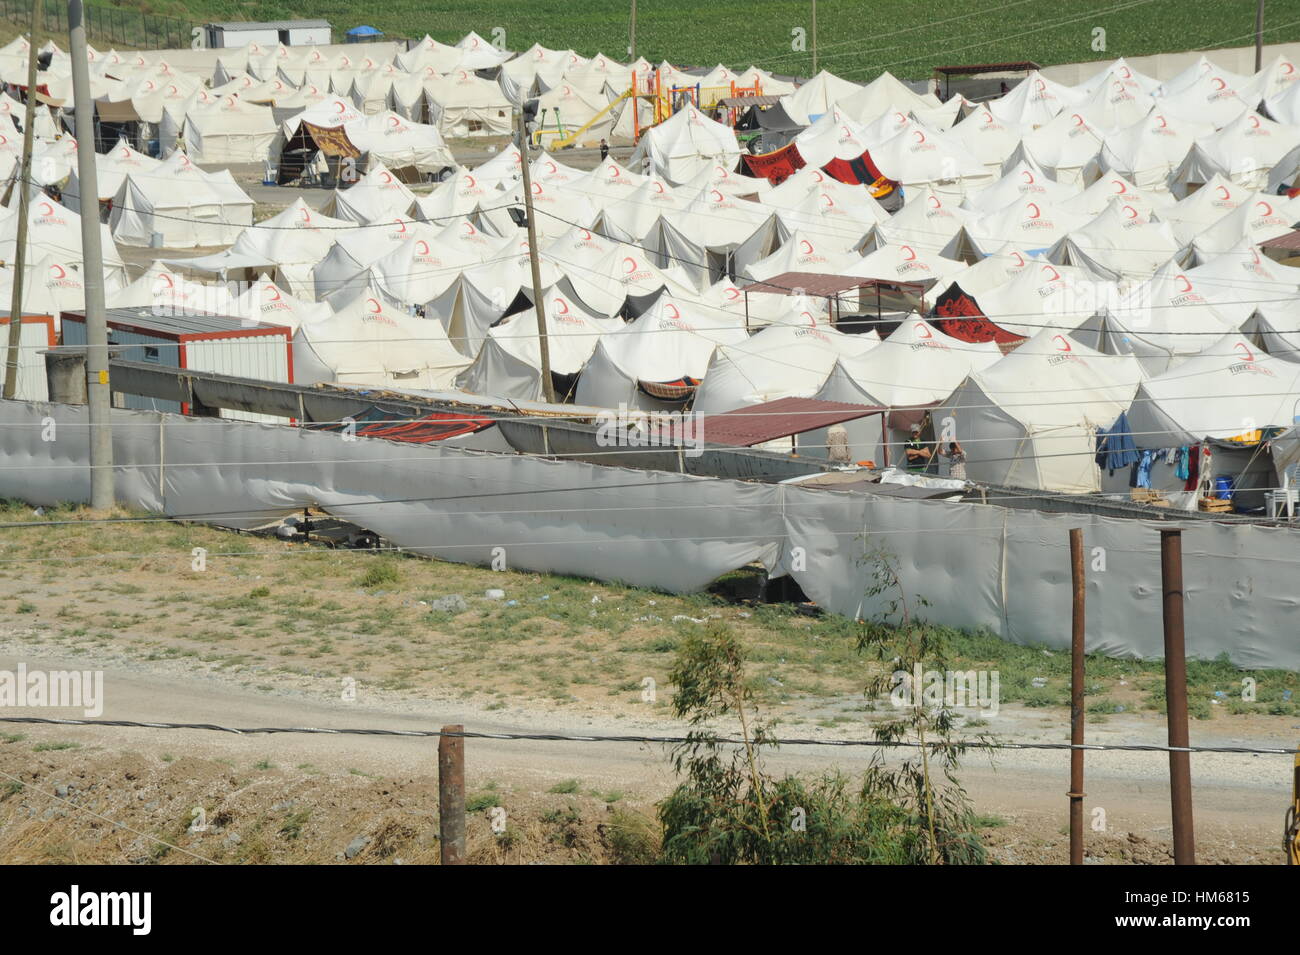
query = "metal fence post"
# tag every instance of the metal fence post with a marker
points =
(451, 795)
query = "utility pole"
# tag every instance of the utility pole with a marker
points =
(631, 46)
(814, 38)
(534, 260)
(1259, 36)
(92, 255)
(1180, 763)
(24, 179)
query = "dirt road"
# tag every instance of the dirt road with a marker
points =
(1239, 799)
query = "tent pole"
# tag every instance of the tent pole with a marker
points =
(1259, 36)
(24, 181)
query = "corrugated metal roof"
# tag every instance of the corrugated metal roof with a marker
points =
(741, 101)
(770, 420)
(1289, 241)
(193, 324)
(974, 68)
(820, 284)
(237, 25)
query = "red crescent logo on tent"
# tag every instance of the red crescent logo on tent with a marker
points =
(1036, 213)
(387, 177)
(818, 177)
(807, 246)
(675, 313)
(469, 228)
(541, 55)
(828, 201)
(171, 90)
(272, 291)
(935, 203)
(373, 306)
(1288, 68)
(463, 76)
(4, 140)
(988, 118)
(421, 247)
(909, 255)
(567, 91)
(1020, 259)
(58, 271)
(305, 214)
(537, 188)
(562, 307)
(1220, 83)
(1120, 188)
(812, 322)
(1056, 276)
(339, 106)
(1254, 122)
(1065, 344)
(1027, 176)
(733, 292)
(901, 118)
(553, 168)
(148, 84)
(524, 245)
(1187, 283)
(167, 279)
(47, 209)
(1250, 355)
(1161, 121)
(470, 181)
(720, 173)
(1040, 85)
(1078, 120)
(248, 81)
(1126, 72)
(629, 265)
(614, 172)
(659, 187)
(719, 195)
(1224, 193)
(1132, 213)
(394, 121)
(920, 136)
(1268, 210)
(923, 330)
(401, 227)
(586, 236)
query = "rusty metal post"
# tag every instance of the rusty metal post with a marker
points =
(1076, 698)
(1180, 763)
(451, 795)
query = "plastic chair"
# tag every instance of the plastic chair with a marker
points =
(1288, 495)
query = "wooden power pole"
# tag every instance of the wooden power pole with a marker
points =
(24, 182)
(1259, 36)
(534, 261)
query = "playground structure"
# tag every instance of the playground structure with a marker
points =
(666, 100)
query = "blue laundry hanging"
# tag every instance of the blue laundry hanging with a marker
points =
(1115, 446)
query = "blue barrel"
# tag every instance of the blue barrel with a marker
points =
(1223, 488)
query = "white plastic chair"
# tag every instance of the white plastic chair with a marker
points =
(1288, 495)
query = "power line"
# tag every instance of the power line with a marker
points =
(969, 743)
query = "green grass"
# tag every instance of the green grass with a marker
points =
(856, 40)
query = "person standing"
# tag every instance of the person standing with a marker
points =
(956, 461)
(604, 150)
(918, 452)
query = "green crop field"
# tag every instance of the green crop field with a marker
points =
(857, 38)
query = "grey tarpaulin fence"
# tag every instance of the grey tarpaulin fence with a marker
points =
(978, 566)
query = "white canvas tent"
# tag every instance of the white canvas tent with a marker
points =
(684, 145)
(778, 362)
(371, 343)
(1229, 390)
(669, 344)
(1030, 419)
(509, 365)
